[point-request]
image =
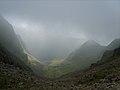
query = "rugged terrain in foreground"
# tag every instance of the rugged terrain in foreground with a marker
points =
(103, 75)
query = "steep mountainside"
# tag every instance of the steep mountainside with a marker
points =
(103, 75)
(22, 43)
(15, 75)
(89, 51)
(14, 44)
(83, 57)
(32, 61)
(114, 44)
(14, 71)
(9, 58)
(9, 39)
(35, 65)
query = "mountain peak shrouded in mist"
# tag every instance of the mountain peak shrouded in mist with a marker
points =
(114, 44)
(90, 44)
(88, 53)
(3, 21)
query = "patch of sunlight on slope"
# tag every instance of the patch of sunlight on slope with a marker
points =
(52, 70)
(56, 62)
(31, 59)
(35, 65)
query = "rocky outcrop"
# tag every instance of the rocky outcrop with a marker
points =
(16, 75)
(8, 58)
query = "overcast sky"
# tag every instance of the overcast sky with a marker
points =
(78, 20)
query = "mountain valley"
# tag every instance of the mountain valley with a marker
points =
(59, 45)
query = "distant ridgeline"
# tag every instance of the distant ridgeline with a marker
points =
(90, 52)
